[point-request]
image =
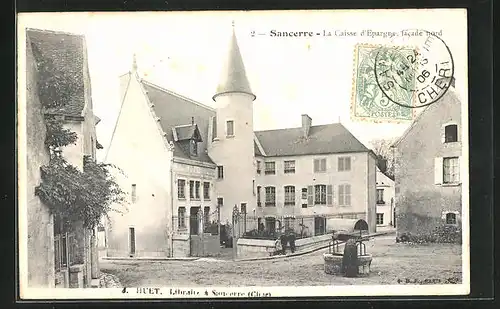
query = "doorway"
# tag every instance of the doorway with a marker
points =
(131, 232)
(193, 220)
(319, 225)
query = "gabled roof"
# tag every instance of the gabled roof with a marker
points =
(174, 111)
(233, 74)
(60, 54)
(322, 139)
(448, 97)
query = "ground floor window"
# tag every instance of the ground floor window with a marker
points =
(451, 218)
(181, 217)
(380, 218)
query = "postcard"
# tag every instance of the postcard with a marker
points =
(255, 154)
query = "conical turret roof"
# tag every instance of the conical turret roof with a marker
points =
(234, 77)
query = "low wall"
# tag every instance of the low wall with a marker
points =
(248, 247)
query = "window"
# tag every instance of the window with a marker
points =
(451, 218)
(304, 205)
(270, 168)
(194, 148)
(319, 165)
(133, 193)
(197, 190)
(220, 201)
(230, 128)
(220, 172)
(290, 167)
(344, 195)
(380, 218)
(304, 193)
(270, 196)
(320, 194)
(181, 217)
(380, 196)
(214, 127)
(243, 208)
(451, 133)
(181, 189)
(258, 167)
(191, 189)
(289, 195)
(259, 204)
(206, 191)
(450, 170)
(344, 164)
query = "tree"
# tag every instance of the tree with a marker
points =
(385, 156)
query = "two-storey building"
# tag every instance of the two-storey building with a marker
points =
(305, 175)
(428, 170)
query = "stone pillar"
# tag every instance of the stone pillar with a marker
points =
(76, 276)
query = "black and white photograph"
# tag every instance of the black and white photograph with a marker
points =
(243, 154)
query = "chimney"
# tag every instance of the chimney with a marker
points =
(306, 124)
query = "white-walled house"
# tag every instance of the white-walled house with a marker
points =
(386, 207)
(183, 159)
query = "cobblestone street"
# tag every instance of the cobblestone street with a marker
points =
(393, 263)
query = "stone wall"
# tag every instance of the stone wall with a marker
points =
(248, 247)
(181, 245)
(40, 238)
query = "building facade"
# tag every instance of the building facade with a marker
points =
(427, 170)
(68, 259)
(306, 175)
(386, 208)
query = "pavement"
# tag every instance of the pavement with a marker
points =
(380, 231)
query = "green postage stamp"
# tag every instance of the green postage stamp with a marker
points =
(369, 103)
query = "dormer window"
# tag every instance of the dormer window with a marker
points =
(194, 147)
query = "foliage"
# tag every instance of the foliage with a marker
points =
(385, 156)
(57, 135)
(440, 234)
(74, 195)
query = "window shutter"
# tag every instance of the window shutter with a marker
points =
(329, 195)
(316, 163)
(443, 134)
(459, 169)
(310, 195)
(341, 195)
(438, 170)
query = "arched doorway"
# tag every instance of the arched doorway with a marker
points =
(361, 225)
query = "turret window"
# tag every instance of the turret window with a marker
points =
(230, 128)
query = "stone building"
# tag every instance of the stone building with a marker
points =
(57, 258)
(428, 170)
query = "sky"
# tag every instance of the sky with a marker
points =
(184, 52)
